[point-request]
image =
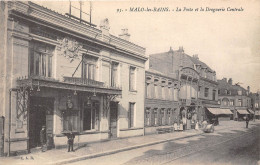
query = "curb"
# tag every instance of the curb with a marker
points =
(84, 157)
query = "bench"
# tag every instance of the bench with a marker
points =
(164, 130)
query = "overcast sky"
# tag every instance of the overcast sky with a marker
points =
(229, 42)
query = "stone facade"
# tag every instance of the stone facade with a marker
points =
(67, 76)
(234, 97)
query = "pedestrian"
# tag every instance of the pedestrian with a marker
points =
(43, 138)
(247, 121)
(197, 125)
(70, 137)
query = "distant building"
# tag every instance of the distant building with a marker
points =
(198, 84)
(67, 76)
(255, 102)
(234, 97)
(161, 101)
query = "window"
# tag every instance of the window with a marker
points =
(160, 117)
(229, 92)
(239, 102)
(154, 117)
(219, 101)
(132, 79)
(226, 91)
(170, 93)
(214, 95)
(156, 93)
(206, 92)
(239, 93)
(231, 102)
(70, 120)
(114, 74)
(41, 59)
(256, 105)
(219, 92)
(175, 92)
(89, 67)
(131, 114)
(147, 117)
(90, 116)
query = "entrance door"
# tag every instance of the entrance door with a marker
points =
(113, 119)
(41, 114)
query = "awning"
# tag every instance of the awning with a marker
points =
(218, 111)
(251, 111)
(226, 111)
(215, 111)
(242, 111)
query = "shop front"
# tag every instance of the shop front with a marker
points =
(66, 106)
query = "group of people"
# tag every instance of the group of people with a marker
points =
(43, 140)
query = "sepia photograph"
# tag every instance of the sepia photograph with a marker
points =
(126, 82)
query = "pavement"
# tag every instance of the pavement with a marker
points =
(93, 150)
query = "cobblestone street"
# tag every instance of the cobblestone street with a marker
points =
(215, 148)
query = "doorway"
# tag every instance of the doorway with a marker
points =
(113, 119)
(41, 114)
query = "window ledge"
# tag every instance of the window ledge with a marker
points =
(133, 91)
(134, 128)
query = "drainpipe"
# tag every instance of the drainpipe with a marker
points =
(9, 120)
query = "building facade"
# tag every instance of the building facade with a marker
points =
(161, 101)
(198, 84)
(234, 97)
(255, 100)
(68, 76)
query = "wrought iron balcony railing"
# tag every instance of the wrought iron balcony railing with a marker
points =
(77, 80)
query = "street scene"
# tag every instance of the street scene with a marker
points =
(91, 82)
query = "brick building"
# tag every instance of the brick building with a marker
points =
(161, 101)
(234, 97)
(198, 84)
(68, 76)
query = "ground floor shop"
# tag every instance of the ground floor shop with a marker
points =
(90, 112)
(162, 114)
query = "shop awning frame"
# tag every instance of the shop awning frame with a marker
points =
(219, 111)
(242, 111)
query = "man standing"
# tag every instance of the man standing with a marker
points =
(70, 137)
(43, 138)
(247, 121)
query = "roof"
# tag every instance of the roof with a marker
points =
(192, 59)
(159, 73)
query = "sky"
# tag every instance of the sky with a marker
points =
(228, 42)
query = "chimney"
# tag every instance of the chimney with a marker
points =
(181, 49)
(224, 79)
(230, 81)
(248, 89)
(104, 26)
(125, 35)
(196, 56)
(170, 49)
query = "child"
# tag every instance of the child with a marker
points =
(70, 137)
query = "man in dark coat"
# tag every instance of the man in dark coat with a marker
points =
(70, 137)
(247, 121)
(43, 138)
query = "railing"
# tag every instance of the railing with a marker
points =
(77, 80)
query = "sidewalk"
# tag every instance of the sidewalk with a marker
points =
(91, 150)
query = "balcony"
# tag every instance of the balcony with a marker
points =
(89, 82)
(68, 83)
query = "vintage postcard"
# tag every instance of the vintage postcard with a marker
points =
(130, 82)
